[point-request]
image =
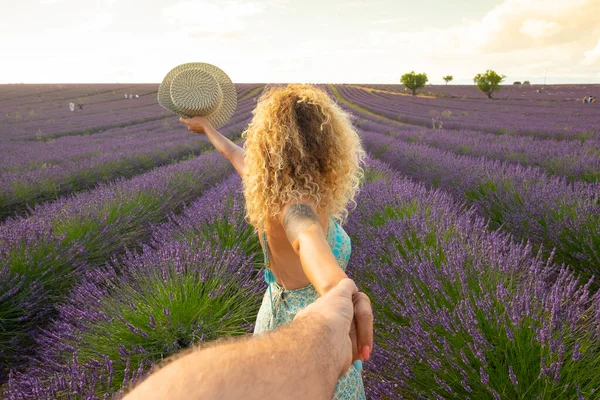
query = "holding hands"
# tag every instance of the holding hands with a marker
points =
(348, 313)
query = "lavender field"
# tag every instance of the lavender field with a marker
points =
(476, 235)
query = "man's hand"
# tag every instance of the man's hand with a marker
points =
(197, 124)
(349, 315)
(302, 360)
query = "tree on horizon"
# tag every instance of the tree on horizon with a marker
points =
(489, 82)
(414, 81)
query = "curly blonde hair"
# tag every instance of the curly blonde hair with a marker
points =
(300, 146)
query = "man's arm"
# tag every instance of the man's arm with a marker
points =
(302, 360)
(293, 362)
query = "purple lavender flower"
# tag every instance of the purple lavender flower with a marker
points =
(513, 377)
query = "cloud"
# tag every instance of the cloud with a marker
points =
(386, 21)
(517, 38)
(540, 29)
(592, 57)
(202, 17)
(520, 24)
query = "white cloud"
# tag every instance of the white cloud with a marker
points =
(539, 29)
(99, 22)
(592, 57)
(386, 21)
(517, 38)
(218, 17)
(519, 24)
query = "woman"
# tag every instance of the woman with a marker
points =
(300, 166)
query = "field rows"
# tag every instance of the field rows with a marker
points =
(446, 241)
(566, 120)
(526, 201)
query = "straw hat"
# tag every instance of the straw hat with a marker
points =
(199, 89)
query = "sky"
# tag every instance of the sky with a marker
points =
(308, 41)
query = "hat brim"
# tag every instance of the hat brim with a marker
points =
(227, 106)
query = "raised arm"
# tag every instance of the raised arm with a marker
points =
(230, 150)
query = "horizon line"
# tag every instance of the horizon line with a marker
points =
(275, 83)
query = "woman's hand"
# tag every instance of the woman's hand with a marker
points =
(363, 323)
(197, 124)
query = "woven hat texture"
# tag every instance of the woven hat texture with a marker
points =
(199, 89)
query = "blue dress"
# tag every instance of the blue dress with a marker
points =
(286, 304)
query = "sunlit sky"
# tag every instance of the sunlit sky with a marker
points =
(376, 41)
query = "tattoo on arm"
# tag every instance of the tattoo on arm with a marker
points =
(297, 218)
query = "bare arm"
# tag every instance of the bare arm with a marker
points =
(308, 240)
(230, 150)
(291, 362)
(303, 360)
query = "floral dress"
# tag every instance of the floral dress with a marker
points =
(279, 306)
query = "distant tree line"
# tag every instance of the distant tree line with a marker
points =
(488, 82)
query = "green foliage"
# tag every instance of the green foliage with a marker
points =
(355, 106)
(489, 82)
(227, 231)
(373, 175)
(414, 81)
(484, 292)
(448, 78)
(29, 193)
(516, 82)
(165, 311)
(526, 83)
(406, 210)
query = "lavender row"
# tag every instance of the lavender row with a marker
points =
(54, 119)
(20, 191)
(114, 157)
(574, 160)
(195, 282)
(457, 308)
(48, 120)
(538, 120)
(23, 95)
(20, 156)
(571, 159)
(548, 210)
(47, 252)
(248, 89)
(52, 111)
(462, 312)
(541, 121)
